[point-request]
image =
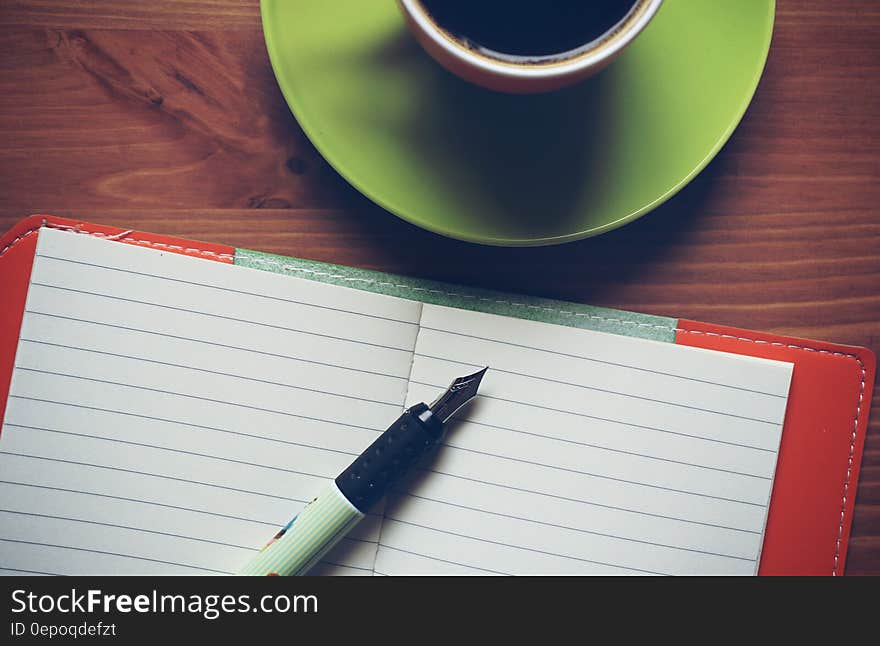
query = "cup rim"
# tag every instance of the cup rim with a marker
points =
(417, 13)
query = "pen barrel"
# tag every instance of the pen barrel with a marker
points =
(388, 459)
(307, 538)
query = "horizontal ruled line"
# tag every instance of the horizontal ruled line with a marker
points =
(606, 419)
(590, 503)
(525, 549)
(590, 474)
(604, 448)
(146, 502)
(126, 556)
(127, 527)
(585, 415)
(12, 569)
(217, 344)
(207, 399)
(602, 361)
(152, 475)
(351, 567)
(360, 540)
(223, 317)
(229, 290)
(579, 530)
(605, 391)
(211, 372)
(383, 546)
(170, 450)
(177, 422)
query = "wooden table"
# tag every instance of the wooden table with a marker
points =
(165, 116)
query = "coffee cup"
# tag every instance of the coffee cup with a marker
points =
(523, 47)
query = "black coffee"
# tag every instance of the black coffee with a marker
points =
(530, 29)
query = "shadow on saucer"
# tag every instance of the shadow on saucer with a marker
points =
(530, 156)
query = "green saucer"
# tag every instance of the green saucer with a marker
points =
(516, 170)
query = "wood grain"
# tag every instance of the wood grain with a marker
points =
(165, 116)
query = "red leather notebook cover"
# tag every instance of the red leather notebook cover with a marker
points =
(823, 436)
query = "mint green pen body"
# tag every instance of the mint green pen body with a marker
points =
(308, 537)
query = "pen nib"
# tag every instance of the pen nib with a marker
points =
(459, 393)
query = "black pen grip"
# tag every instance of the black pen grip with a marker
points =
(388, 459)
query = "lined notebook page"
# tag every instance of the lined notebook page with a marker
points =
(587, 453)
(168, 414)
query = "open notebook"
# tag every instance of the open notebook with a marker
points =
(167, 414)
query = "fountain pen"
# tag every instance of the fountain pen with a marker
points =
(341, 505)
